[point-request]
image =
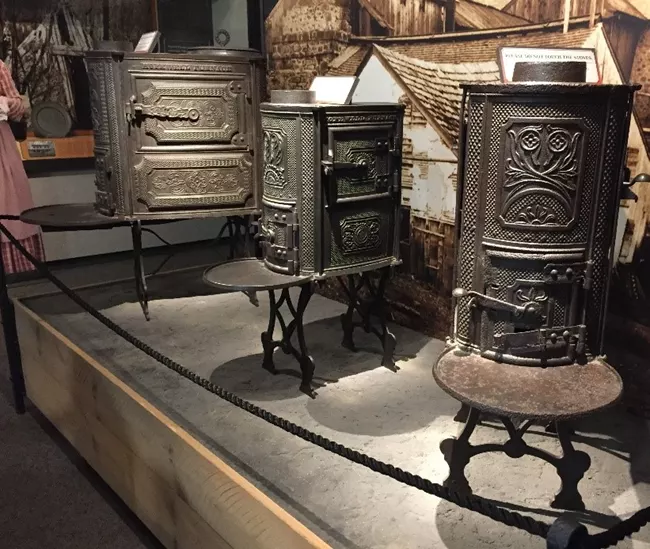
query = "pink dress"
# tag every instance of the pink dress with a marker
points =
(15, 194)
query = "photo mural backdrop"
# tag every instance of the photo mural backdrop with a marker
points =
(418, 52)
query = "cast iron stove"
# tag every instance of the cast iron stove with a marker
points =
(541, 175)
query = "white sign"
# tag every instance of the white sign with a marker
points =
(509, 57)
(148, 42)
(334, 90)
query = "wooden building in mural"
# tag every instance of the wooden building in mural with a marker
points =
(304, 36)
(425, 73)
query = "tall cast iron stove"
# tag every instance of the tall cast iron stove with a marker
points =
(541, 169)
(330, 199)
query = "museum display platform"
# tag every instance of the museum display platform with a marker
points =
(201, 473)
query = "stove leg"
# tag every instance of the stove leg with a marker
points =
(571, 467)
(268, 344)
(138, 267)
(231, 238)
(307, 365)
(8, 315)
(347, 318)
(388, 339)
(375, 304)
(458, 452)
(301, 354)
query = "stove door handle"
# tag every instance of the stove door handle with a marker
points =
(169, 112)
(331, 167)
(531, 312)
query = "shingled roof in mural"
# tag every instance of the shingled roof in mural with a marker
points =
(431, 69)
(435, 87)
(472, 47)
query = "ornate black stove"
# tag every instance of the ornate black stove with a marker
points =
(542, 169)
(176, 134)
(331, 195)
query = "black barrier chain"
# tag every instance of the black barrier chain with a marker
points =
(620, 531)
(471, 502)
(467, 501)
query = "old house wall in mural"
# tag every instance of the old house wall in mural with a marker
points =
(396, 17)
(303, 36)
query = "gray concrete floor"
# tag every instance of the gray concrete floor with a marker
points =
(397, 417)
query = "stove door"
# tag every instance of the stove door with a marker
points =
(531, 309)
(361, 185)
(192, 134)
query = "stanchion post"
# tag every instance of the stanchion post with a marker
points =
(11, 342)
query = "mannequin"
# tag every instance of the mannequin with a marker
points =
(15, 194)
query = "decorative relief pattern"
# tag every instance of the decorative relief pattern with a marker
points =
(541, 176)
(362, 119)
(200, 182)
(360, 235)
(190, 113)
(275, 146)
(531, 295)
(360, 151)
(182, 68)
(536, 215)
(98, 104)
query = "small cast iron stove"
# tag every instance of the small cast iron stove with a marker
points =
(331, 194)
(331, 186)
(176, 134)
(541, 169)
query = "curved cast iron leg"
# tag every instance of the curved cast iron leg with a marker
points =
(388, 339)
(462, 414)
(307, 366)
(138, 266)
(231, 238)
(458, 452)
(571, 467)
(8, 314)
(268, 345)
(347, 318)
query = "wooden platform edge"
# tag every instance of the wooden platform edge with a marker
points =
(185, 494)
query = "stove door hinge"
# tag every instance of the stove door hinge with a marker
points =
(572, 338)
(569, 273)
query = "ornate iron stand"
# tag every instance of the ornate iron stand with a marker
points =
(84, 217)
(504, 391)
(373, 303)
(301, 354)
(250, 275)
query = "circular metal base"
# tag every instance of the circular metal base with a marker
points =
(249, 275)
(70, 217)
(552, 393)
